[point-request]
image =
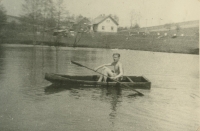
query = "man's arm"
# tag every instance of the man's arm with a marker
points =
(109, 64)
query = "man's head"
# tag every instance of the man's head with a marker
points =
(116, 57)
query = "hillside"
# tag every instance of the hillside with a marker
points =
(184, 40)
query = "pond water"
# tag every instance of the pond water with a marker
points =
(30, 103)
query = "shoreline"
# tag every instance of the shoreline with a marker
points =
(151, 42)
(49, 44)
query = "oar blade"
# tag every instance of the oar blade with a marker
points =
(137, 92)
(140, 94)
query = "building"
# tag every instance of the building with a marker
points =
(13, 19)
(82, 25)
(186, 28)
(104, 24)
(68, 24)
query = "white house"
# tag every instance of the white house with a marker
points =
(105, 24)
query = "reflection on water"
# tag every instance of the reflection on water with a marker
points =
(171, 104)
(108, 94)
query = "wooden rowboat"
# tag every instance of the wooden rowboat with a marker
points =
(137, 82)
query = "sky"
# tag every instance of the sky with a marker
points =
(152, 12)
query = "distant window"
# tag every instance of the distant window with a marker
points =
(108, 20)
(103, 27)
(112, 28)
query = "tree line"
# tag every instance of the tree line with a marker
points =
(37, 16)
(3, 19)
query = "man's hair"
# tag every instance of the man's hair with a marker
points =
(116, 54)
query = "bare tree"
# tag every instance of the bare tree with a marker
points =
(79, 17)
(48, 19)
(32, 16)
(3, 17)
(134, 17)
(51, 19)
(59, 12)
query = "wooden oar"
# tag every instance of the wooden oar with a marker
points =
(78, 64)
(129, 79)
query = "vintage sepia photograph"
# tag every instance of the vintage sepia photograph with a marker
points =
(99, 65)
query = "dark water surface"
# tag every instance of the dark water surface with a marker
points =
(29, 103)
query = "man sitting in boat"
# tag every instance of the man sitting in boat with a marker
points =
(117, 74)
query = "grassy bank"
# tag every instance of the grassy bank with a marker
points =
(180, 44)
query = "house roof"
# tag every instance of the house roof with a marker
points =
(101, 18)
(13, 18)
(82, 19)
(70, 20)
